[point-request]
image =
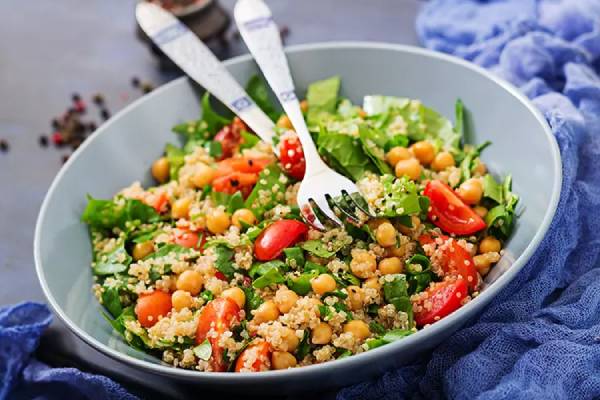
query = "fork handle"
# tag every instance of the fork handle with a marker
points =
(199, 63)
(257, 28)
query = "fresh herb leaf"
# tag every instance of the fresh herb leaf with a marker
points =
(108, 214)
(396, 141)
(301, 285)
(207, 295)
(116, 261)
(223, 262)
(167, 249)
(214, 148)
(258, 91)
(459, 123)
(260, 269)
(336, 293)
(249, 140)
(294, 257)
(111, 300)
(320, 249)
(376, 328)
(236, 201)
(396, 334)
(373, 143)
(400, 196)
(214, 122)
(253, 299)
(271, 277)
(396, 292)
(492, 189)
(345, 153)
(175, 156)
(313, 266)
(269, 180)
(304, 346)
(203, 351)
(322, 97)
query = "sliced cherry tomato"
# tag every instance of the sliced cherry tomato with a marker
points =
(291, 156)
(219, 316)
(449, 212)
(278, 236)
(235, 181)
(190, 239)
(439, 300)
(261, 352)
(150, 307)
(157, 201)
(455, 260)
(229, 139)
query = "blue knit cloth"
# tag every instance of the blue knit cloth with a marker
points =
(540, 338)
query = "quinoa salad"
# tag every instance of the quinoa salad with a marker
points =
(212, 267)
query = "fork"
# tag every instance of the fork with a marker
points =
(184, 48)
(322, 189)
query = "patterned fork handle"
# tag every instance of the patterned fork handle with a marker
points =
(191, 55)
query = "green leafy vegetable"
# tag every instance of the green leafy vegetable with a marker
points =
(373, 143)
(500, 219)
(418, 273)
(236, 201)
(396, 293)
(258, 91)
(166, 250)
(301, 285)
(111, 300)
(203, 351)
(253, 299)
(492, 189)
(214, 148)
(108, 214)
(224, 262)
(322, 97)
(207, 295)
(376, 328)
(271, 277)
(400, 197)
(346, 153)
(304, 346)
(312, 266)
(214, 122)
(175, 156)
(294, 257)
(116, 261)
(322, 249)
(249, 140)
(459, 123)
(269, 179)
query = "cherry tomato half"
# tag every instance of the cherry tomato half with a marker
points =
(229, 139)
(235, 181)
(278, 236)
(291, 156)
(242, 164)
(455, 260)
(157, 201)
(439, 300)
(190, 239)
(219, 316)
(150, 307)
(449, 212)
(261, 352)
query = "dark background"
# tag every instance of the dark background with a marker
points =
(50, 49)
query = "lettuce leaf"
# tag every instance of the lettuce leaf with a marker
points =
(322, 97)
(258, 91)
(107, 214)
(400, 197)
(345, 153)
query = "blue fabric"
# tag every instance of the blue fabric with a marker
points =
(540, 338)
(23, 377)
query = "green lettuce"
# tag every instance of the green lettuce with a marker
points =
(258, 91)
(322, 97)
(109, 214)
(345, 153)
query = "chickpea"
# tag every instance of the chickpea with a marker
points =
(289, 340)
(359, 329)
(282, 360)
(217, 220)
(181, 299)
(284, 122)
(372, 283)
(442, 161)
(481, 211)
(386, 234)
(323, 283)
(285, 300)
(304, 106)
(396, 154)
(489, 244)
(410, 168)
(190, 281)
(470, 191)
(363, 263)
(375, 222)
(362, 113)
(424, 152)
(390, 265)
(141, 250)
(203, 175)
(355, 297)
(415, 221)
(160, 170)
(480, 168)
(243, 215)
(483, 262)
(181, 207)
(321, 334)
(236, 294)
(266, 312)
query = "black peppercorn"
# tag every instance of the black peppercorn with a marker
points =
(135, 82)
(76, 97)
(98, 99)
(43, 140)
(4, 147)
(105, 114)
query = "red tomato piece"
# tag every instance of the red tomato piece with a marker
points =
(229, 139)
(448, 212)
(157, 201)
(190, 239)
(439, 300)
(235, 181)
(278, 236)
(291, 156)
(219, 316)
(261, 352)
(150, 307)
(455, 260)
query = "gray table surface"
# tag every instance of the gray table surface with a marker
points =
(52, 48)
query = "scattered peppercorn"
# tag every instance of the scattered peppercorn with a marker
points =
(76, 97)
(4, 147)
(55, 124)
(92, 127)
(43, 140)
(147, 87)
(135, 82)
(105, 114)
(65, 158)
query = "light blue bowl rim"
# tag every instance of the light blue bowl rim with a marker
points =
(371, 355)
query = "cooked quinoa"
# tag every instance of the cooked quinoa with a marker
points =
(214, 269)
